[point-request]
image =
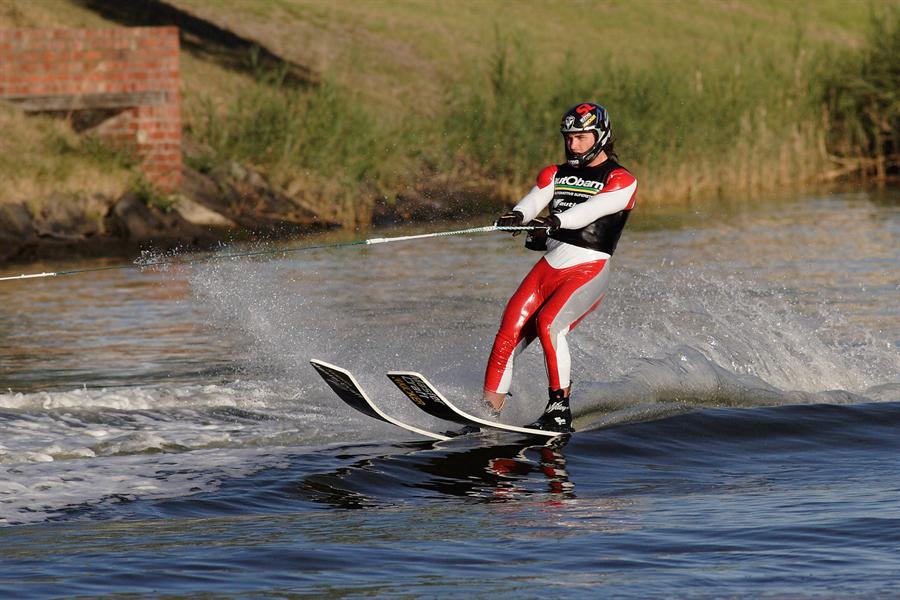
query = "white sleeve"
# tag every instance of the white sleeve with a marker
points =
(535, 201)
(604, 203)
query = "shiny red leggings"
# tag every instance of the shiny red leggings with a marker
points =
(548, 304)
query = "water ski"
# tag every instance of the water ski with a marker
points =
(426, 397)
(348, 389)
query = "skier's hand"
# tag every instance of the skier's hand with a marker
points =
(551, 222)
(511, 219)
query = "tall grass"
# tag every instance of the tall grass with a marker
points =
(688, 132)
(862, 100)
(749, 124)
(319, 144)
(503, 120)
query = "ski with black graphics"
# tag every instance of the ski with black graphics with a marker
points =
(348, 389)
(426, 397)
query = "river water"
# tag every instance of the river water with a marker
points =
(738, 392)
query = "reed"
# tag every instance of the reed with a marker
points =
(708, 99)
(319, 140)
(748, 123)
(740, 128)
(861, 95)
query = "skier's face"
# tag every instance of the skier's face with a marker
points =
(580, 142)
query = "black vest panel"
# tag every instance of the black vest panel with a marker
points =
(572, 186)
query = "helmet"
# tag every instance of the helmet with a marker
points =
(586, 117)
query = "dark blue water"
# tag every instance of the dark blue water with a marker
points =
(703, 504)
(163, 434)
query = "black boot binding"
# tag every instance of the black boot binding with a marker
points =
(557, 416)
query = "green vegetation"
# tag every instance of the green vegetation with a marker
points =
(689, 131)
(321, 138)
(862, 99)
(746, 122)
(708, 99)
(402, 57)
(42, 157)
(151, 195)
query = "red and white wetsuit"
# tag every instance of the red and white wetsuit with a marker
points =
(569, 281)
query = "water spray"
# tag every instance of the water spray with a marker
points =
(139, 264)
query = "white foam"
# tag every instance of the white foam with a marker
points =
(85, 446)
(43, 489)
(138, 398)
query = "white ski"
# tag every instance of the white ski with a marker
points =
(348, 389)
(426, 397)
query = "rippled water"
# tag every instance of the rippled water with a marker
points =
(739, 391)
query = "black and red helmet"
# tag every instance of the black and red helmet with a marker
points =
(586, 116)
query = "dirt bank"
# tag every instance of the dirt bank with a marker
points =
(237, 204)
(230, 203)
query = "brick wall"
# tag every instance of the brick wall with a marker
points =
(131, 70)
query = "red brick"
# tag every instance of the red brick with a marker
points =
(103, 60)
(151, 42)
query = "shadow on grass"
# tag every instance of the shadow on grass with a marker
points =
(202, 38)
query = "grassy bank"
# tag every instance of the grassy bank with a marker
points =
(689, 131)
(862, 102)
(41, 157)
(44, 164)
(316, 145)
(733, 104)
(419, 99)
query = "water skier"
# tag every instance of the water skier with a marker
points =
(589, 198)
